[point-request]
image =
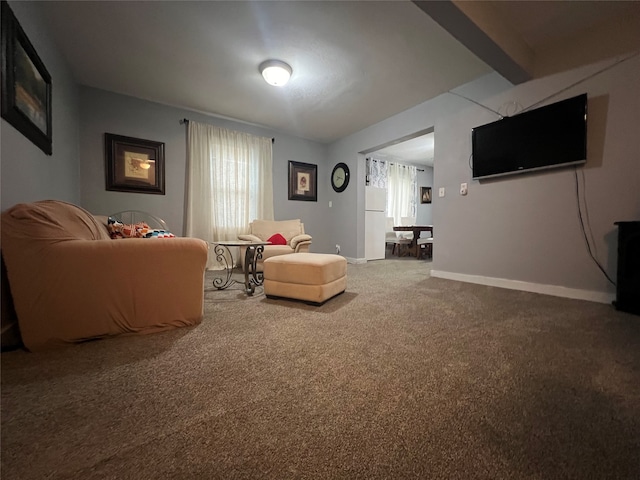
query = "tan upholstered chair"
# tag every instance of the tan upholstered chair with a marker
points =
(71, 282)
(262, 230)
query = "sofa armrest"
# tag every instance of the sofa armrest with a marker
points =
(249, 237)
(302, 247)
(95, 288)
(300, 238)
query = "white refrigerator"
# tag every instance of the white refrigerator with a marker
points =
(375, 223)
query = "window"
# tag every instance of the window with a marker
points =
(230, 182)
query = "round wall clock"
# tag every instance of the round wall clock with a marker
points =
(340, 177)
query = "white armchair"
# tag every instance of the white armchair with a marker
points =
(262, 230)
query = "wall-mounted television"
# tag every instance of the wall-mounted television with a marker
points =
(547, 137)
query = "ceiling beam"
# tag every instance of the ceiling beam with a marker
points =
(475, 25)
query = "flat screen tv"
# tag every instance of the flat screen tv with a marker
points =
(547, 137)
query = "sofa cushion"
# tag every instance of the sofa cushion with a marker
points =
(306, 268)
(275, 250)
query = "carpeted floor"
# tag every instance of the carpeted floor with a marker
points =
(402, 376)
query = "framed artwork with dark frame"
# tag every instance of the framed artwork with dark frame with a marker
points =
(26, 84)
(133, 164)
(303, 181)
(425, 194)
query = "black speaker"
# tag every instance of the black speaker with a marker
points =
(628, 284)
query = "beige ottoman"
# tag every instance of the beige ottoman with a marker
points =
(311, 277)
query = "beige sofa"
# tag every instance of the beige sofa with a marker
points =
(71, 282)
(262, 230)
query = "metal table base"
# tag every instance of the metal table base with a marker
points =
(253, 253)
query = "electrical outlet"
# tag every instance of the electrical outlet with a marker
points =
(441, 192)
(337, 248)
(463, 188)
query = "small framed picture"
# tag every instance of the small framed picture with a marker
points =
(26, 84)
(303, 181)
(425, 194)
(133, 164)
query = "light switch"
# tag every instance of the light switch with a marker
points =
(441, 192)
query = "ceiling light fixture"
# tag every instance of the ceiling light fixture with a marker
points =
(275, 72)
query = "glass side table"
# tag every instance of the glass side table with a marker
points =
(253, 253)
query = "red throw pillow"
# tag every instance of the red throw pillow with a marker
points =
(277, 239)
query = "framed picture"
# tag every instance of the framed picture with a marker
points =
(425, 194)
(303, 181)
(134, 165)
(26, 84)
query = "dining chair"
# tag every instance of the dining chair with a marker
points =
(425, 247)
(393, 238)
(407, 222)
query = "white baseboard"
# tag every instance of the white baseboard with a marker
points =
(356, 260)
(555, 290)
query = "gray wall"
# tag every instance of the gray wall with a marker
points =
(521, 228)
(424, 214)
(526, 227)
(103, 111)
(27, 173)
(349, 217)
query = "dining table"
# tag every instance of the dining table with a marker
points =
(417, 230)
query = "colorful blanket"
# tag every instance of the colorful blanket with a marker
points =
(119, 230)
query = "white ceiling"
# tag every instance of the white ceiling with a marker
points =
(418, 150)
(354, 63)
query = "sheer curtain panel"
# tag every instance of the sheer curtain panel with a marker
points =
(230, 182)
(402, 191)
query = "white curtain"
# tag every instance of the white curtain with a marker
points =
(230, 183)
(402, 191)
